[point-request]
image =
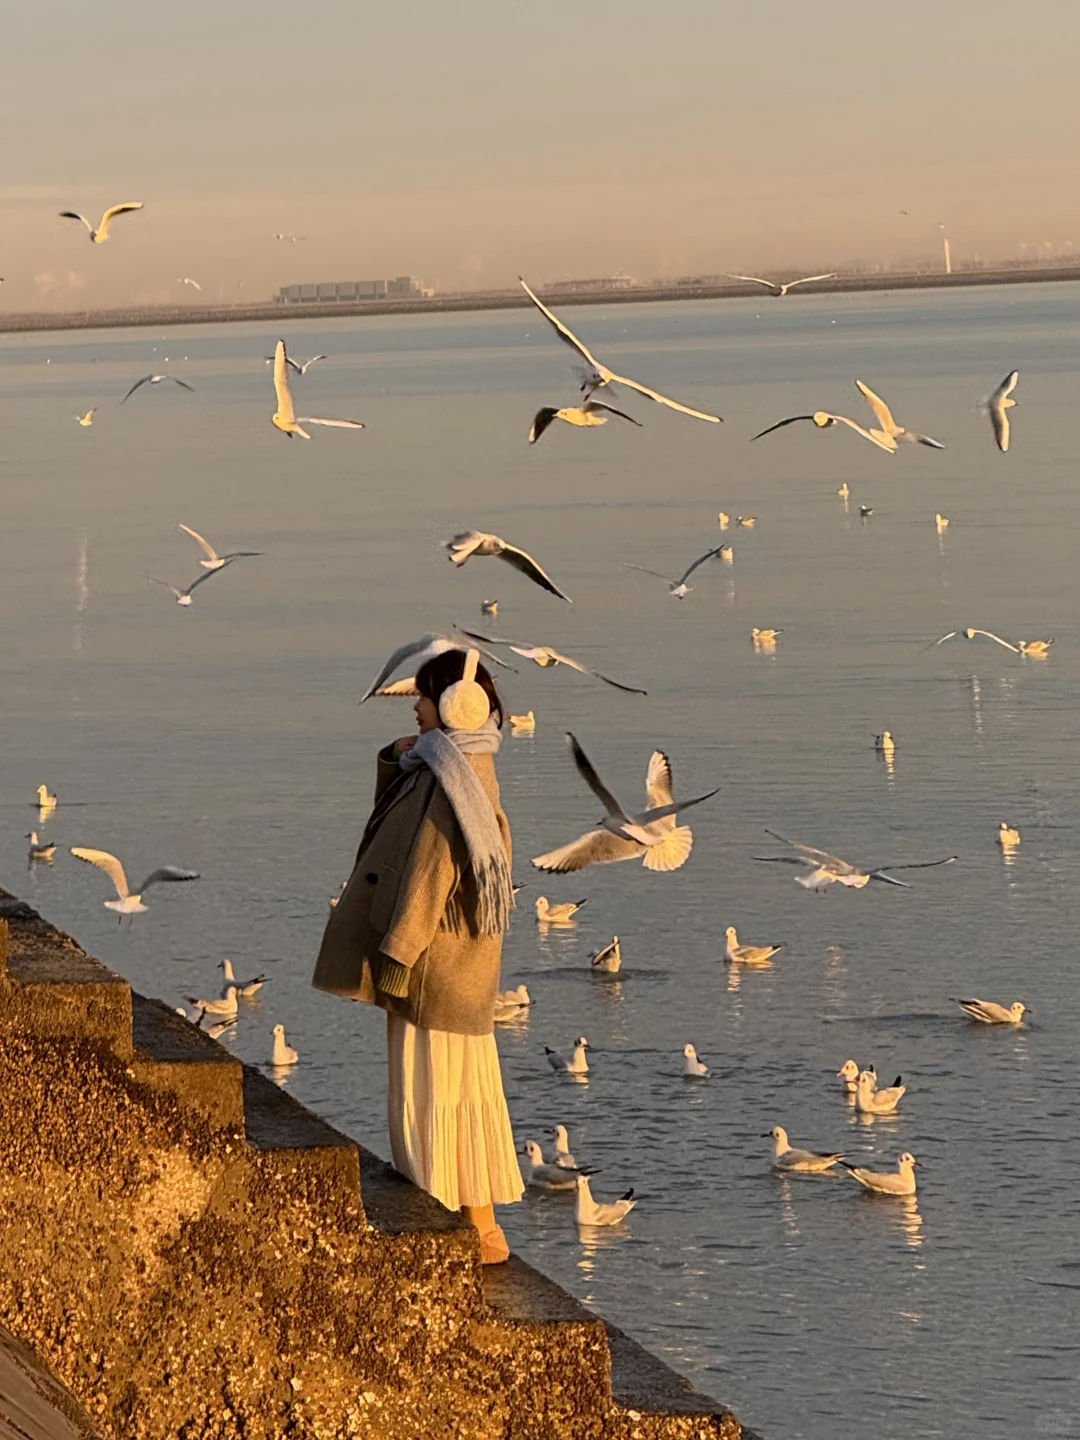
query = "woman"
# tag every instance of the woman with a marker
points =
(418, 931)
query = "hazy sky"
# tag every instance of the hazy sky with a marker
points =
(467, 142)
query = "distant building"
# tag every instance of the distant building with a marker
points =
(605, 285)
(331, 292)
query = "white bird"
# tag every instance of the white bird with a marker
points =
(187, 280)
(285, 417)
(998, 405)
(1037, 648)
(86, 420)
(156, 380)
(183, 597)
(824, 420)
(969, 634)
(885, 745)
(849, 1073)
(900, 1181)
(40, 849)
(45, 800)
(890, 430)
(508, 1011)
(301, 369)
(652, 835)
(590, 414)
(523, 724)
(1008, 837)
(213, 560)
(282, 1053)
(872, 1101)
(472, 544)
(520, 996)
(546, 913)
(576, 1065)
(563, 1157)
(545, 655)
(609, 959)
(786, 1157)
(990, 1013)
(827, 869)
(129, 902)
(489, 607)
(764, 639)
(424, 649)
(599, 375)
(941, 521)
(747, 954)
(101, 234)
(543, 1176)
(244, 988)
(291, 238)
(218, 1028)
(781, 288)
(223, 1005)
(692, 1066)
(679, 588)
(591, 1212)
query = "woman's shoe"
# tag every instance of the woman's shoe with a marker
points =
(493, 1247)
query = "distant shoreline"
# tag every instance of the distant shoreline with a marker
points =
(509, 300)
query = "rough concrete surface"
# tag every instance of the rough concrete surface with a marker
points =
(194, 1254)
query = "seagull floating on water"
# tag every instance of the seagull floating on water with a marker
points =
(599, 375)
(545, 1176)
(285, 417)
(827, 869)
(156, 380)
(652, 835)
(900, 1181)
(609, 959)
(546, 655)
(523, 724)
(424, 649)
(40, 849)
(869, 1100)
(693, 1068)
(679, 588)
(890, 430)
(563, 1157)
(1008, 837)
(546, 913)
(183, 597)
(987, 1012)
(787, 1157)
(244, 988)
(282, 1053)
(590, 414)
(780, 288)
(213, 560)
(849, 1072)
(223, 1005)
(998, 405)
(474, 544)
(942, 522)
(764, 638)
(747, 954)
(129, 902)
(591, 1212)
(884, 744)
(489, 607)
(101, 234)
(86, 420)
(576, 1065)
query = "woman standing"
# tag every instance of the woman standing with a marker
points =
(418, 931)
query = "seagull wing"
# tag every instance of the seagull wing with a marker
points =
(809, 279)
(281, 384)
(812, 851)
(399, 687)
(999, 418)
(709, 555)
(877, 873)
(592, 779)
(167, 872)
(135, 387)
(593, 405)
(114, 210)
(888, 879)
(645, 571)
(541, 420)
(661, 812)
(791, 420)
(658, 785)
(564, 333)
(664, 400)
(753, 280)
(528, 567)
(206, 575)
(436, 644)
(156, 581)
(950, 636)
(880, 409)
(336, 424)
(882, 441)
(182, 383)
(207, 549)
(991, 636)
(74, 215)
(109, 863)
(597, 847)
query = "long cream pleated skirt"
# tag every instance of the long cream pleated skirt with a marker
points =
(449, 1126)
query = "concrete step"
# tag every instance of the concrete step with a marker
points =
(170, 1055)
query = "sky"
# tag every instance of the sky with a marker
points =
(467, 143)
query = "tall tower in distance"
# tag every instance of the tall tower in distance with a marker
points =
(948, 251)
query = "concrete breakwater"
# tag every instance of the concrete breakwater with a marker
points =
(192, 1253)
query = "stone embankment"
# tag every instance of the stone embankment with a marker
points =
(194, 1254)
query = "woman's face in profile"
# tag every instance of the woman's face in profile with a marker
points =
(427, 716)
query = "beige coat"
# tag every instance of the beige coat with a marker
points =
(411, 897)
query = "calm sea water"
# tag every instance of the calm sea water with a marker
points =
(227, 738)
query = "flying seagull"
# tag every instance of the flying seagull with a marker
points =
(679, 588)
(998, 404)
(285, 417)
(128, 902)
(824, 420)
(545, 655)
(301, 369)
(101, 234)
(213, 560)
(86, 420)
(780, 288)
(969, 634)
(187, 280)
(889, 428)
(590, 414)
(652, 835)
(156, 380)
(472, 543)
(424, 649)
(826, 869)
(183, 597)
(599, 375)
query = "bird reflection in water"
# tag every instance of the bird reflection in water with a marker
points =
(909, 1220)
(593, 1239)
(789, 1218)
(82, 591)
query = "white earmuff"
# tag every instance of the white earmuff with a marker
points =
(465, 705)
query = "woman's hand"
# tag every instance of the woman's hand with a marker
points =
(406, 742)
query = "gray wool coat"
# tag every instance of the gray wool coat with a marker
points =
(411, 897)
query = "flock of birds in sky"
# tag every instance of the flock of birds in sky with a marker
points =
(651, 834)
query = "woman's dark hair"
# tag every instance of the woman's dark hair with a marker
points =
(439, 673)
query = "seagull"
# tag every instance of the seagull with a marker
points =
(599, 375)
(746, 522)
(1037, 649)
(543, 1176)
(129, 902)
(45, 800)
(724, 519)
(101, 234)
(679, 588)
(652, 835)
(778, 288)
(889, 428)
(282, 1053)
(969, 634)
(942, 522)
(609, 959)
(520, 996)
(213, 560)
(301, 369)
(546, 912)
(545, 655)
(183, 597)
(785, 1157)
(244, 988)
(764, 637)
(218, 1028)
(824, 419)
(998, 404)
(563, 1158)
(285, 417)
(86, 420)
(489, 607)
(590, 1212)
(692, 1066)
(156, 380)
(523, 724)
(187, 280)
(507, 1012)
(900, 1181)
(424, 649)
(40, 849)
(884, 744)
(865, 511)
(1008, 837)
(747, 954)
(477, 543)
(871, 1101)
(990, 1013)
(590, 414)
(827, 869)
(576, 1065)
(224, 1005)
(849, 1072)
